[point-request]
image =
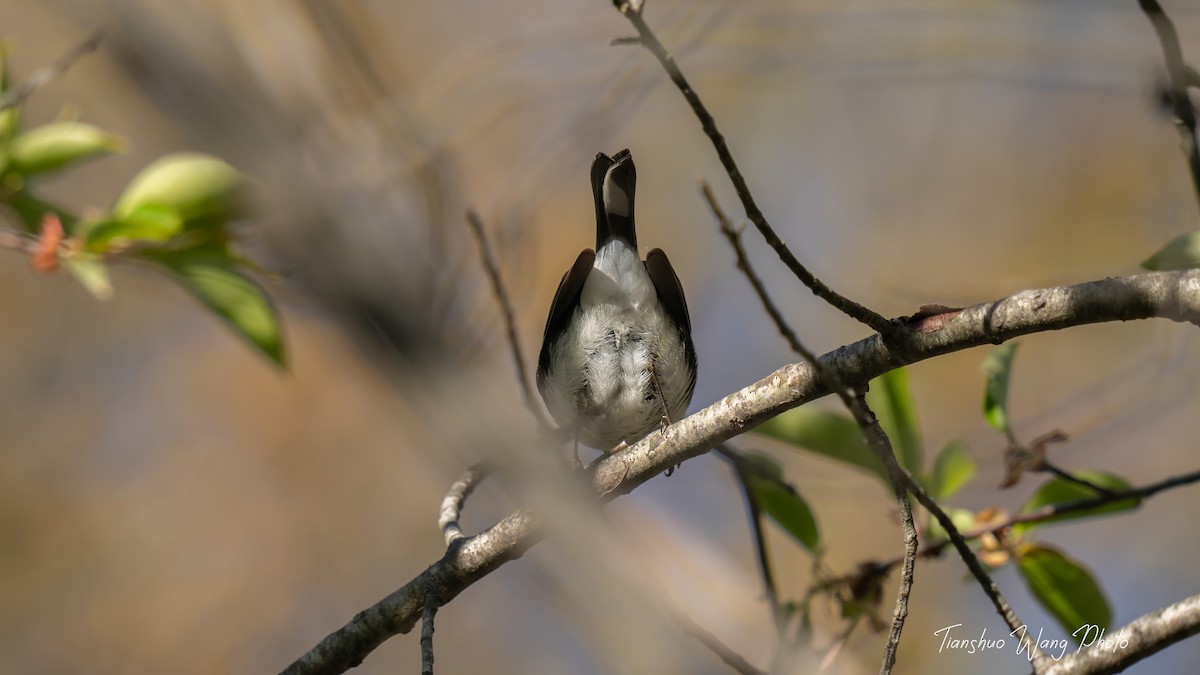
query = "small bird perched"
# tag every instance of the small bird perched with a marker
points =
(617, 359)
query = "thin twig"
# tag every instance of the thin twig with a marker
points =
(427, 615)
(1180, 76)
(727, 655)
(15, 241)
(510, 322)
(838, 644)
(743, 469)
(1056, 510)
(457, 496)
(1072, 478)
(1014, 623)
(734, 236)
(882, 446)
(633, 12)
(47, 74)
(874, 434)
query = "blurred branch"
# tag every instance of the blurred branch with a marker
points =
(633, 11)
(743, 469)
(453, 502)
(510, 322)
(15, 241)
(1135, 641)
(838, 644)
(1180, 76)
(727, 655)
(1171, 295)
(47, 74)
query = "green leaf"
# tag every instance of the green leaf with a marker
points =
(785, 506)
(1182, 252)
(998, 367)
(889, 397)
(91, 272)
(57, 145)
(1064, 588)
(148, 222)
(10, 118)
(825, 433)
(214, 278)
(199, 188)
(963, 519)
(951, 470)
(1059, 491)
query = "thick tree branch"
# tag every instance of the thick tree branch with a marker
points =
(1131, 643)
(633, 12)
(1171, 295)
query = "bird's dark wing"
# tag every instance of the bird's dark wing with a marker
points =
(566, 299)
(670, 291)
(670, 294)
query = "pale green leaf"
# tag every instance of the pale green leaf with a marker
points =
(998, 368)
(891, 400)
(952, 468)
(1059, 491)
(825, 433)
(1182, 252)
(784, 505)
(214, 279)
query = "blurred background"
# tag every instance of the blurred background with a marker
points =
(170, 502)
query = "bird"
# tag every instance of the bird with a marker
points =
(617, 359)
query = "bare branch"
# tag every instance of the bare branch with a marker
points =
(1171, 295)
(743, 263)
(510, 322)
(1180, 76)
(874, 434)
(47, 74)
(1135, 641)
(650, 41)
(879, 442)
(453, 502)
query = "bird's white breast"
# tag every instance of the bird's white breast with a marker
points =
(619, 333)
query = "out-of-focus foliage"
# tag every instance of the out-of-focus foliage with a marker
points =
(176, 213)
(1182, 252)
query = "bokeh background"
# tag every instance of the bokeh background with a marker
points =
(169, 502)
